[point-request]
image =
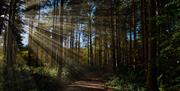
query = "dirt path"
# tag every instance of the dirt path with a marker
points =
(88, 84)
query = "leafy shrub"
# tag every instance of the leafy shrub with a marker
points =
(119, 84)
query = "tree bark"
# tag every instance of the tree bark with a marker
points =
(10, 37)
(152, 48)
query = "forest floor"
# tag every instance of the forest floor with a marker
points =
(35, 79)
(91, 82)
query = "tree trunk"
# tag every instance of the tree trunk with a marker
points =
(113, 55)
(152, 48)
(90, 44)
(10, 37)
(134, 28)
(60, 52)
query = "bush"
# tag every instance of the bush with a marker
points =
(119, 84)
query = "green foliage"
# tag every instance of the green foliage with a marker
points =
(71, 70)
(131, 74)
(169, 66)
(127, 79)
(25, 78)
(173, 2)
(160, 20)
(119, 84)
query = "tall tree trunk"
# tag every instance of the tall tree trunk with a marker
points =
(61, 58)
(113, 55)
(30, 45)
(10, 37)
(10, 47)
(90, 44)
(152, 48)
(100, 52)
(105, 46)
(130, 44)
(134, 28)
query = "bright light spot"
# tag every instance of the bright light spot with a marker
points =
(2, 16)
(177, 62)
(25, 36)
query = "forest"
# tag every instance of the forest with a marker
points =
(89, 45)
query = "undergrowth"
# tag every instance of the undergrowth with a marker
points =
(120, 84)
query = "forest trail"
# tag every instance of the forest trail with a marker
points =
(89, 83)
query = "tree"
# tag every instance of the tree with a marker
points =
(152, 47)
